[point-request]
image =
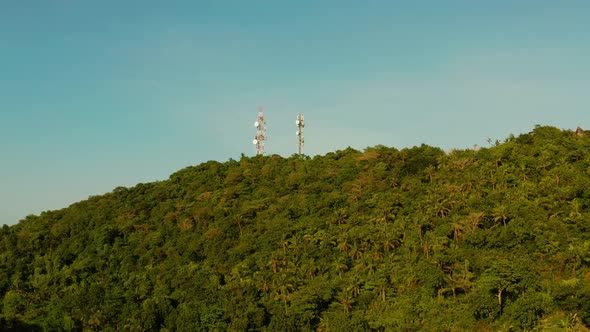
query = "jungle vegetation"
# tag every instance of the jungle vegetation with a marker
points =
(377, 240)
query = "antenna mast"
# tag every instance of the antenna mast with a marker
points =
(260, 137)
(300, 125)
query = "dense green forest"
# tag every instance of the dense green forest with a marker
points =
(494, 239)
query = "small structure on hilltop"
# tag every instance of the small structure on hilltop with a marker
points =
(300, 140)
(260, 138)
(579, 131)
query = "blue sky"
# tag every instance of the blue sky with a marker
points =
(98, 94)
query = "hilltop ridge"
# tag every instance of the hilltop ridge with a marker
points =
(381, 239)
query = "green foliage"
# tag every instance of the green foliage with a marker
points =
(374, 240)
(526, 312)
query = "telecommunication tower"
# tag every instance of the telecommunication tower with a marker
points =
(300, 125)
(260, 137)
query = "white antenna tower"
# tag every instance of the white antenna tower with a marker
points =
(260, 137)
(300, 125)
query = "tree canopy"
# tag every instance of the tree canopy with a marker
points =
(375, 240)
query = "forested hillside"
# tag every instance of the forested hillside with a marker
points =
(381, 239)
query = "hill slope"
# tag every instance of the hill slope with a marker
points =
(384, 239)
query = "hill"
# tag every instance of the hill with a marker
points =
(381, 239)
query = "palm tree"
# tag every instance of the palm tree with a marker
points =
(346, 301)
(274, 262)
(340, 266)
(459, 278)
(434, 243)
(457, 231)
(283, 284)
(308, 268)
(284, 244)
(263, 281)
(500, 213)
(343, 245)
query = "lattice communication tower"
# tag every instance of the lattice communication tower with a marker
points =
(300, 140)
(260, 137)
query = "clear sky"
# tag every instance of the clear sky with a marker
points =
(98, 94)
